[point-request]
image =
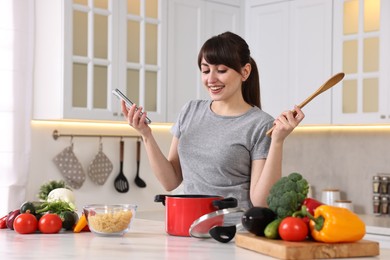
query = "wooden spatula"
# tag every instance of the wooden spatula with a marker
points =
(327, 85)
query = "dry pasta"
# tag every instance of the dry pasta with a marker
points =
(110, 222)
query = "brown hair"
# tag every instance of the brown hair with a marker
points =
(232, 51)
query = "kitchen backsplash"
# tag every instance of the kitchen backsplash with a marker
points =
(341, 159)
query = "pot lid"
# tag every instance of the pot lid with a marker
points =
(222, 224)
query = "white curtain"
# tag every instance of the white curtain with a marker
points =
(16, 85)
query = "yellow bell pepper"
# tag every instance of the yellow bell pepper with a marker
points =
(82, 223)
(334, 224)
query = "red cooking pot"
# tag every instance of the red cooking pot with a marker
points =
(182, 210)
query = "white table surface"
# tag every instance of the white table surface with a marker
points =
(146, 240)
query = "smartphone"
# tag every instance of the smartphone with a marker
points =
(129, 103)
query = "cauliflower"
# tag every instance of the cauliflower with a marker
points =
(61, 194)
(287, 194)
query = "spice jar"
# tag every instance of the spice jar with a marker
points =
(375, 184)
(384, 183)
(376, 205)
(385, 205)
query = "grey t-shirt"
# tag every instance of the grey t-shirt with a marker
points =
(216, 151)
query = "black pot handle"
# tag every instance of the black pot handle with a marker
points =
(223, 234)
(225, 203)
(160, 198)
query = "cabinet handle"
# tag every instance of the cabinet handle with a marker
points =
(383, 117)
(115, 114)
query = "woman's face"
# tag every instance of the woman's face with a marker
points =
(222, 82)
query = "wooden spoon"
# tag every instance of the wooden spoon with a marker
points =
(327, 85)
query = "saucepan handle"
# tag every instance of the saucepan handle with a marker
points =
(160, 198)
(226, 203)
(223, 234)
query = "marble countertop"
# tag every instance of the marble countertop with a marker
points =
(146, 240)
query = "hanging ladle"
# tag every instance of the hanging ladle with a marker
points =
(327, 85)
(138, 181)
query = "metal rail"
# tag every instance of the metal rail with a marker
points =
(57, 135)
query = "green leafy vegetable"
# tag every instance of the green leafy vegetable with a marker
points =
(287, 194)
(56, 207)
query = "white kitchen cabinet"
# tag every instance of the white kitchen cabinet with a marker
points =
(83, 51)
(361, 50)
(190, 23)
(291, 41)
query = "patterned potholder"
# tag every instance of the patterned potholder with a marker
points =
(70, 167)
(100, 168)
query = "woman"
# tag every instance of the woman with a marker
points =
(220, 146)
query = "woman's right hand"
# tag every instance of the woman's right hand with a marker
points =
(134, 119)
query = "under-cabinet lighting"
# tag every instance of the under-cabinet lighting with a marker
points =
(342, 128)
(122, 126)
(95, 125)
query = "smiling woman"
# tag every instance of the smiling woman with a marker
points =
(16, 48)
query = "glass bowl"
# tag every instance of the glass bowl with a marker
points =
(109, 220)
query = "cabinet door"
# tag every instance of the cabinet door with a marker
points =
(361, 50)
(184, 41)
(90, 64)
(190, 23)
(291, 43)
(85, 49)
(219, 18)
(310, 57)
(267, 33)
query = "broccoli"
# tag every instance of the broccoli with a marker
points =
(287, 194)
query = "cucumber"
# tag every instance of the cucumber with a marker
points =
(271, 230)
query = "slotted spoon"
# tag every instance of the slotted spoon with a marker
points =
(327, 85)
(121, 183)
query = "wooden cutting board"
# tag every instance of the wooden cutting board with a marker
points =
(306, 249)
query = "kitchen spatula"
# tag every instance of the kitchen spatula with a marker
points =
(138, 181)
(121, 184)
(327, 85)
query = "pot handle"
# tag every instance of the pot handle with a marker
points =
(223, 234)
(225, 203)
(160, 198)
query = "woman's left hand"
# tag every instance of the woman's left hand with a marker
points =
(286, 123)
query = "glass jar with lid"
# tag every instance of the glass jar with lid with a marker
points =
(383, 184)
(376, 184)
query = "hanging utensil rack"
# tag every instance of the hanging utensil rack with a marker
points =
(56, 135)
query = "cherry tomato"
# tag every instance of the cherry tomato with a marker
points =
(25, 223)
(293, 229)
(50, 223)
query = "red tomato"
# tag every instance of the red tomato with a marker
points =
(293, 229)
(25, 223)
(50, 223)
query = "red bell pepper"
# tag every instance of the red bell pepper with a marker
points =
(3, 222)
(311, 204)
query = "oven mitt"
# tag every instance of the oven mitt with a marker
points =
(70, 167)
(100, 168)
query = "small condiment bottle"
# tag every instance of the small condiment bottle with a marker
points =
(375, 184)
(384, 204)
(384, 183)
(376, 201)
